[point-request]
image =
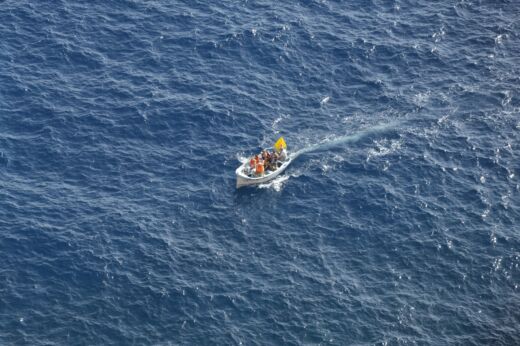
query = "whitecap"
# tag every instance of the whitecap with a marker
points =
(442, 119)
(500, 38)
(497, 263)
(421, 99)
(325, 100)
(325, 167)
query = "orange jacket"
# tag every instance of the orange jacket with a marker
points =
(260, 167)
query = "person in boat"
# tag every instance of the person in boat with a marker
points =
(266, 157)
(274, 161)
(260, 169)
(283, 155)
(252, 163)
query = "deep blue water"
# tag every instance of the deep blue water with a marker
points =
(121, 125)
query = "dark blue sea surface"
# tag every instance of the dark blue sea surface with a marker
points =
(122, 123)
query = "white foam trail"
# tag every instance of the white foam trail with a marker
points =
(330, 143)
(276, 184)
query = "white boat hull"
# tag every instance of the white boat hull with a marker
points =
(244, 180)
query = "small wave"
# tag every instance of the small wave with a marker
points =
(274, 125)
(507, 98)
(438, 36)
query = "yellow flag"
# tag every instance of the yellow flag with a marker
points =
(280, 144)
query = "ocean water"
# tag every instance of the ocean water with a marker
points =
(121, 125)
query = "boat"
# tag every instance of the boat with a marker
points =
(245, 178)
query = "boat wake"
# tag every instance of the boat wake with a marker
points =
(275, 184)
(329, 143)
(326, 144)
